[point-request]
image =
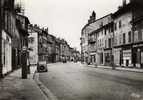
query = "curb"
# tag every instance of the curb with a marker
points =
(117, 69)
(49, 95)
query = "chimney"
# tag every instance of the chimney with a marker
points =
(94, 15)
(124, 2)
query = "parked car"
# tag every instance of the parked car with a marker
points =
(64, 60)
(42, 66)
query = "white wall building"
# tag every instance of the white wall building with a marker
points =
(33, 45)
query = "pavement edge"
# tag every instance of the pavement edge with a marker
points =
(43, 88)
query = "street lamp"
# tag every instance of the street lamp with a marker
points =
(24, 62)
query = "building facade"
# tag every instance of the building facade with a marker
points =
(33, 45)
(115, 38)
(13, 36)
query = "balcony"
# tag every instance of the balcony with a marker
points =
(92, 49)
(91, 40)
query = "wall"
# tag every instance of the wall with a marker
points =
(33, 45)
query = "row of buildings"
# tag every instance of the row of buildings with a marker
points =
(22, 44)
(46, 47)
(13, 36)
(116, 38)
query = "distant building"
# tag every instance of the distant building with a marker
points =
(33, 46)
(85, 39)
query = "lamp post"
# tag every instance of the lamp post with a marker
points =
(24, 62)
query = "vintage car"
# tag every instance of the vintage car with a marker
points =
(42, 66)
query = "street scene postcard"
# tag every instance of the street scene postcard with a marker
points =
(71, 49)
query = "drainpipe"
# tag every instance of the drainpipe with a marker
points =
(112, 56)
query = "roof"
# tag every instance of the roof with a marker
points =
(127, 8)
(95, 25)
(26, 18)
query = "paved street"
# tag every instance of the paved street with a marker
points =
(73, 81)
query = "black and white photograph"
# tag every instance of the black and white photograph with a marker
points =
(71, 49)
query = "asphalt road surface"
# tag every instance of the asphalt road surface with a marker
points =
(74, 81)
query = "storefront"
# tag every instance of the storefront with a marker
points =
(92, 58)
(117, 56)
(100, 57)
(138, 55)
(127, 58)
(107, 56)
(6, 53)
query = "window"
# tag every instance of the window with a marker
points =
(115, 26)
(124, 38)
(101, 24)
(105, 31)
(139, 35)
(129, 37)
(109, 43)
(120, 39)
(105, 44)
(115, 40)
(120, 24)
(112, 29)
(136, 36)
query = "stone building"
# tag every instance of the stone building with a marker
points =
(86, 30)
(99, 34)
(38, 43)
(128, 35)
(13, 36)
(115, 38)
(65, 53)
(123, 36)
(33, 45)
(137, 29)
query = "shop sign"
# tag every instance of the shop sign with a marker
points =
(127, 53)
(139, 45)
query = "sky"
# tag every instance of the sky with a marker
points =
(66, 18)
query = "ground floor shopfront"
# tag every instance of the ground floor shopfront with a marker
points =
(123, 56)
(92, 58)
(129, 56)
(138, 55)
(6, 53)
(107, 57)
(100, 58)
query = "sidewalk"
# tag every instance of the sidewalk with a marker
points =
(119, 68)
(12, 87)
